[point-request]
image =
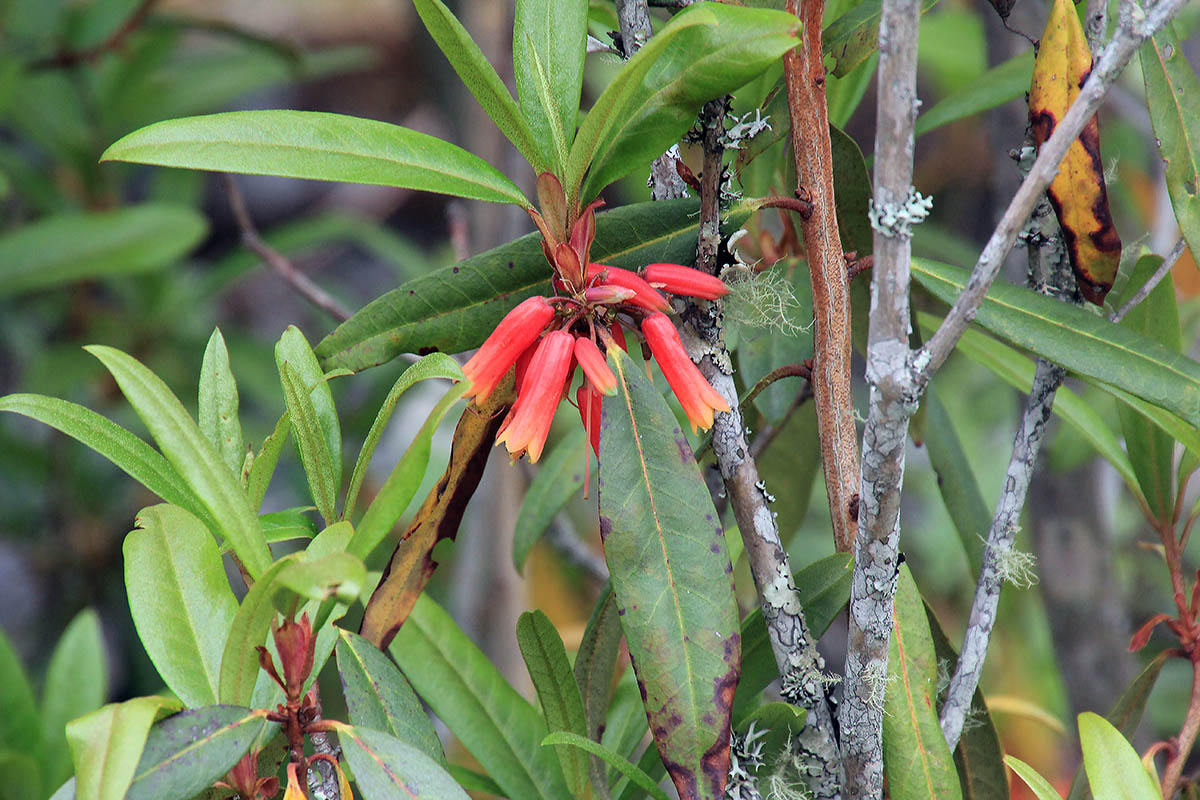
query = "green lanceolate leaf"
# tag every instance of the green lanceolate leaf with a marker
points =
(481, 79)
(1079, 340)
(546, 659)
(386, 768)
(594, 664)
(494, 723)
(20, 728)
(853, 37)
(218, 404)
(265, 462)
(917, 762)
(320, 146)
(558, 479)
(997, 86)
(549, 43)
(187, 752)
(402, 484)
(107, 746)
(379, 697)
(76, 684)
(180, 600)
(636, 776)
(1114, 770)
(1151, 450)
(190, 453)
(293, 349)
(251, 624)
(66, 247)
(956, 481)
(704, 52)
(314, 449)
(318, 578)
(132, 455)
(1037, 784)
(823, 588)
(672, 578)
(434, 365)
(1173, 98)
(22, 779)
(455, 308)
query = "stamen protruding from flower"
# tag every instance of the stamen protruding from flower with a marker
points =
(519, 329)
(528, 423)
(645, 295)
(698, 398)
(589, 400)
(678, 279)
(595, 367)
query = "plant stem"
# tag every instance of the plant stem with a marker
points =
(1187, 736)
(804, 73)
(1163, 270)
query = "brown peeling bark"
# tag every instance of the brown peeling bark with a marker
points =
(804, 73)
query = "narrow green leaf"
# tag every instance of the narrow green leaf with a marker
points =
(187, 752)
(1114, 770)
(20, 727)
(595, 662)
(67, 247)
(318, 578)
(853, 197)
(1078, 339)
(546, 659)
(455, 308)
(294, 350)
(190, 453)
(76, 684)
(618, 762)
(319, 146)
(402, 484)
(671, 574)
(132, 455)
(1173, 99)
(706, 51)
(1036, 783)
(558, 479)
(434, 365)
(1000, 84)
(474, 781)
(386, 768)
(291, 523)
(265, 462)
(494, 723)
(218, 404)
(823, 588)
(180, 599)
(107, 745)
(314, 450)
(916, 761)
(549, 44)
(379, 697)
(1152, 451)
(251, 624)
(22, 778)
(853, 37)
(956, 481)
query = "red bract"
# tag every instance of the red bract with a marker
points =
(528, 423)
(591, 360)
(698, 398)
(519, 329)
(678, 279)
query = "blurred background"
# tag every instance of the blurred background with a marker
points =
(150, 260)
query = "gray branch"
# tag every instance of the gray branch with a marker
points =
(893, 400)
(1133, 28)
(1096, 24)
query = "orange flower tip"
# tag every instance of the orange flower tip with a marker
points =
(678, 279)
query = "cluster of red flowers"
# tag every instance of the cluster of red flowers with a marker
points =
(546, 337)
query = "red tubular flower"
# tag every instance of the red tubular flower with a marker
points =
(595, 367)
(528, 423)
(698, 398)
(645, 296)
(618, 334)
(523, 365)
(678, 279)
(519, 329)
(588, 400)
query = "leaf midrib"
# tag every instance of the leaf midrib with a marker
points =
(193, 745)
(912, 709)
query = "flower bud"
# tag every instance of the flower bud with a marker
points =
(595, 367)
(645, 295)
(678, 279)
(698, 398)
(607, 294)
(519, 329)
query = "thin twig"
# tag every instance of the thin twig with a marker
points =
(576, 553)
(800, 665)
(276, 260)
(1141, 294)
(1187, 736)
(768, 433)
(893, 400)
(1133, 28)
(799, 370)
(1096, 24)
(71, 58)
(804, 73)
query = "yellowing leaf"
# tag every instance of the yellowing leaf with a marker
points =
(1077, 193)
